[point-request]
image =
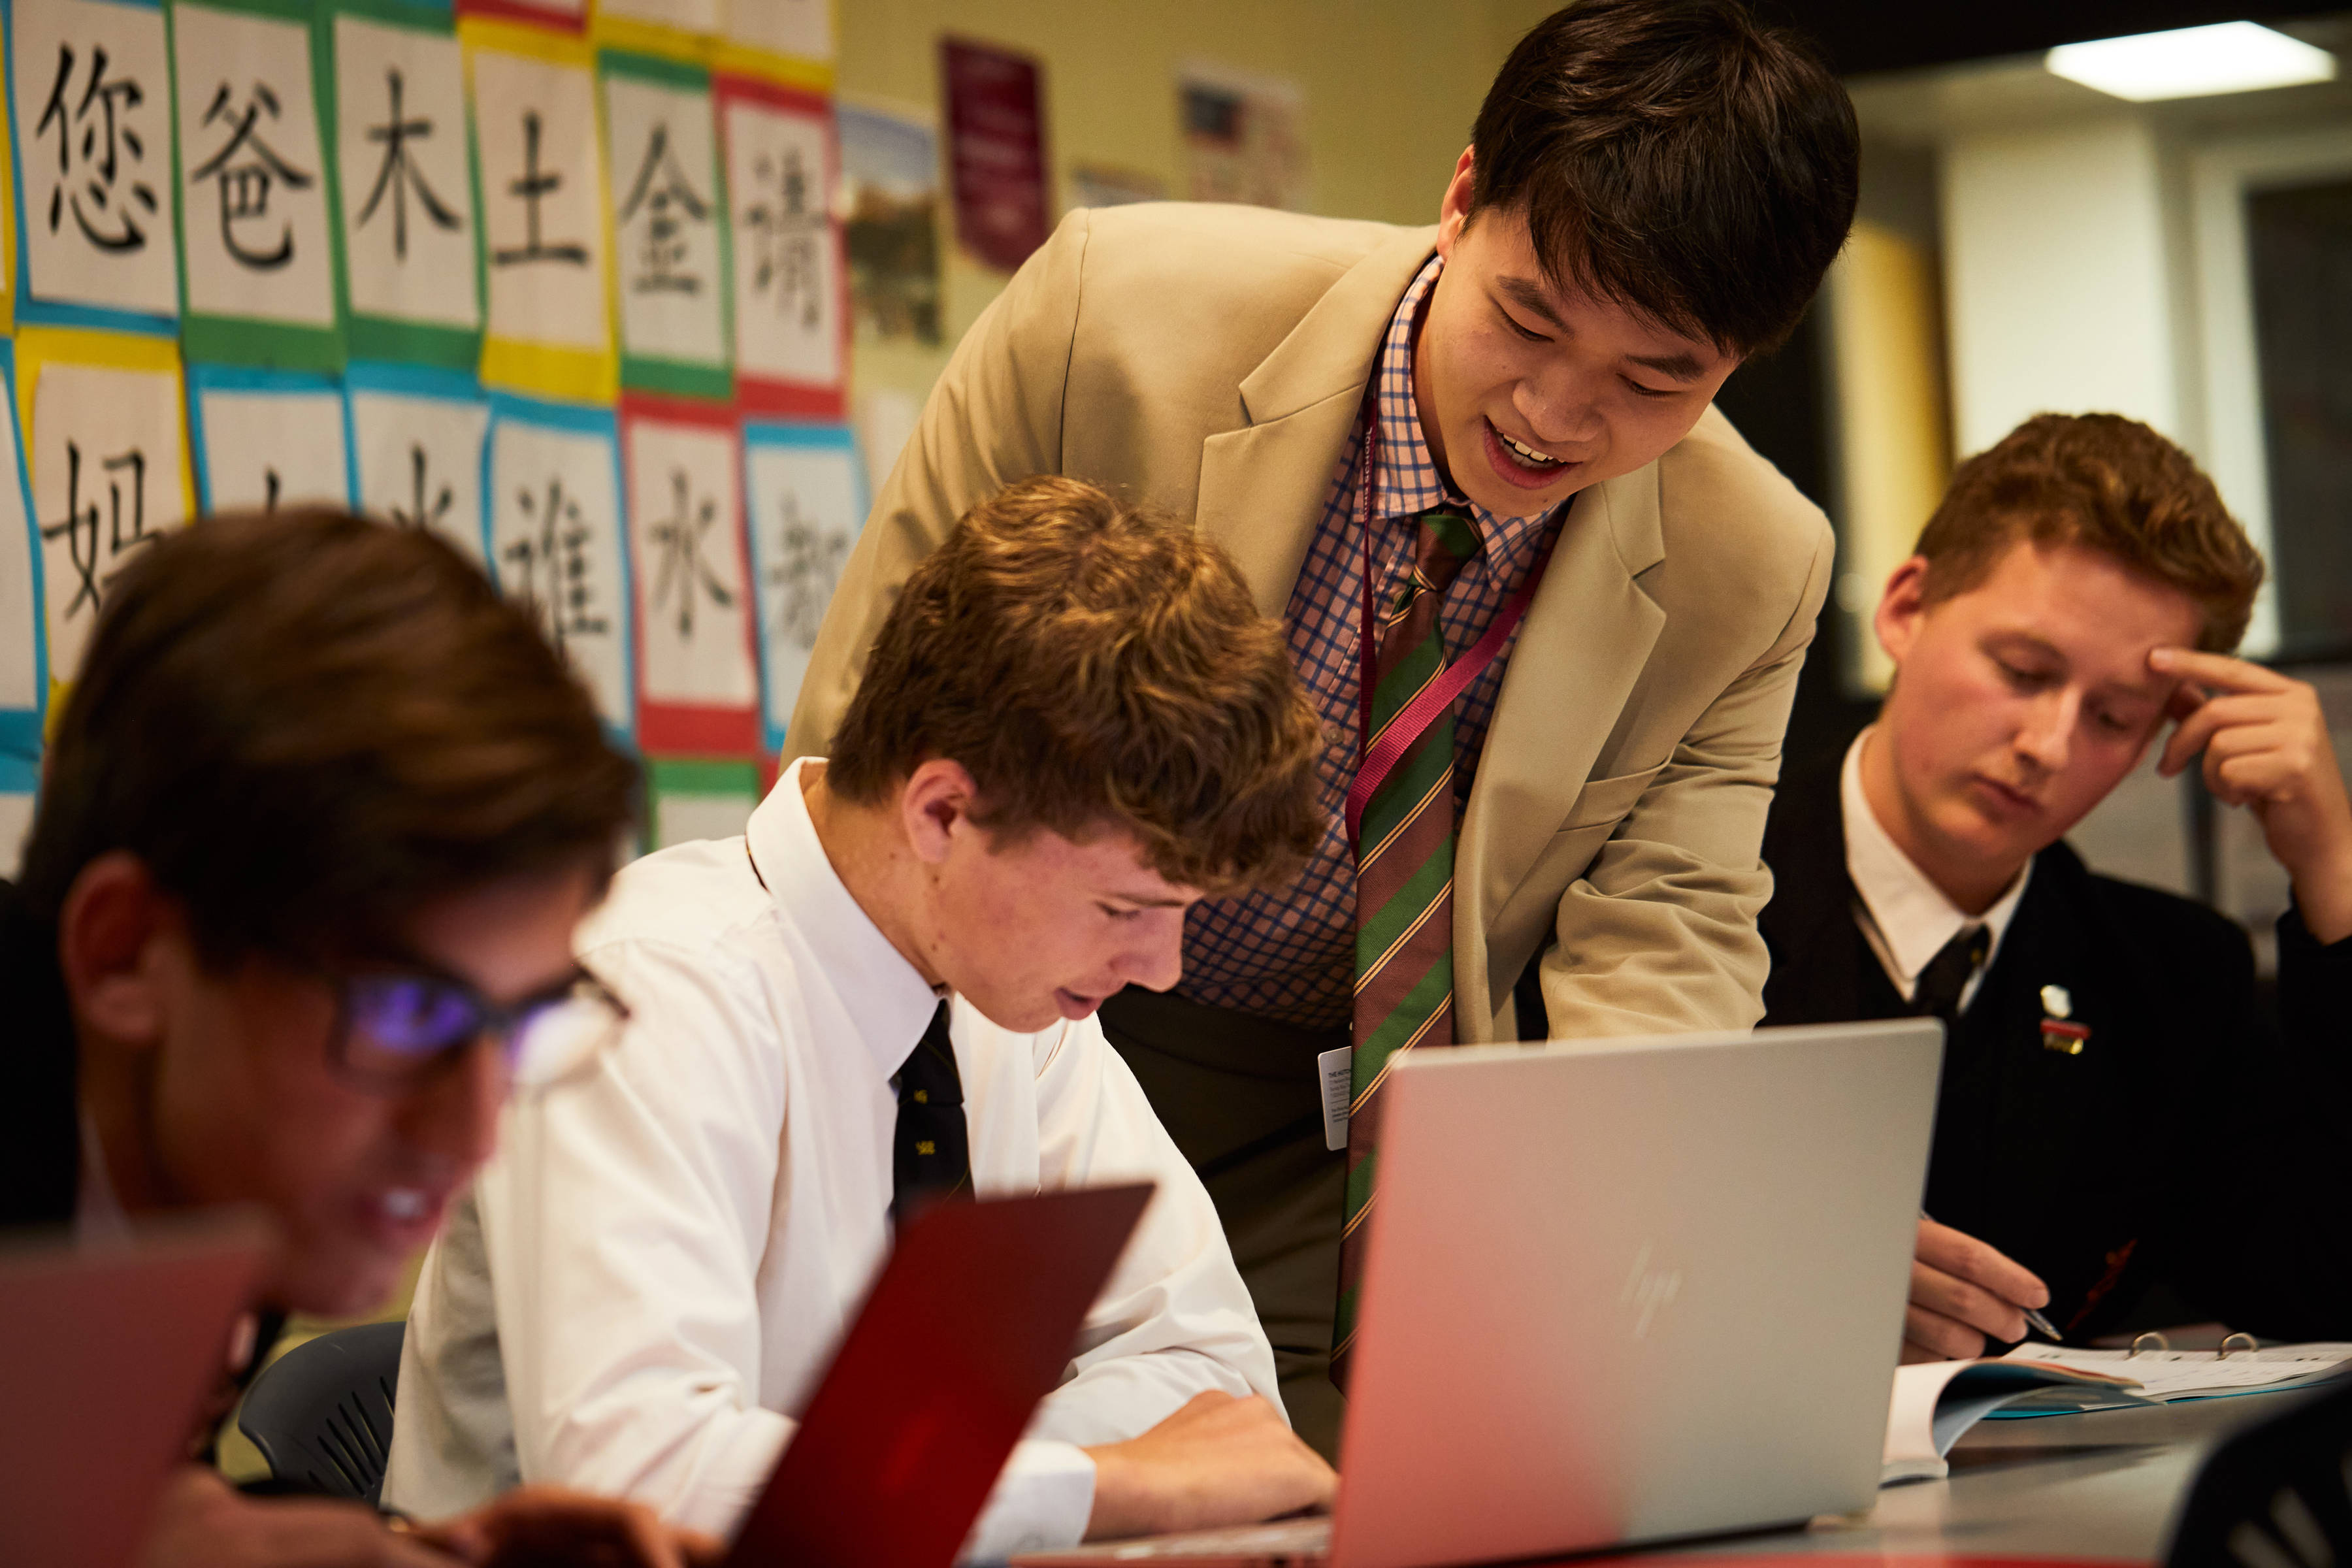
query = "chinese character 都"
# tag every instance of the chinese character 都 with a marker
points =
(80, 531)
(808, 565)
(553, 562)
(399, 174)
(785, 230)
(245, 167)
(530, 186)
(423, 512)
(679, 541)
(93, 131)
(669, 202)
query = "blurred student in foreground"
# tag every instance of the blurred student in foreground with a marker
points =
(883, 996)
(321, 814)
(2115, 1117)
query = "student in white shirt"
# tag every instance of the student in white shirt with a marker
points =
(1075, 722)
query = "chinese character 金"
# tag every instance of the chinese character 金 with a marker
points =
(245, 167)
(683, 566)
(552, 562)
(808, 565)
(399, 174)
(668, 200)
(95, 131)
(84, 539)
(530, 186)
(785, 233)
(422, 512)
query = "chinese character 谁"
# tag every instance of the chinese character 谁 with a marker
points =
(679, 540)
(84, 540)
(90, 130)
(785, 229)
(552, 562)
(399, 174)
(669, 202)
(531, 186)
(245, 167)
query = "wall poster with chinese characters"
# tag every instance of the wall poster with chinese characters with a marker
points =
(558, 281)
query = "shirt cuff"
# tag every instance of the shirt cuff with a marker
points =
(1042, 1503)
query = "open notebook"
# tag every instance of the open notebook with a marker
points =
(2198, 1374)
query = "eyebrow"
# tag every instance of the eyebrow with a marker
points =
(1680, 365)
(1146, 900)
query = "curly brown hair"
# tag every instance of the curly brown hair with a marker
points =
(2105, 483)
(1093, 666)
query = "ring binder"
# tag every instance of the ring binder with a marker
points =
(2151, 1341)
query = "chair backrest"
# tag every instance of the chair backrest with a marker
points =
(322, 1413)
(2276, 1493)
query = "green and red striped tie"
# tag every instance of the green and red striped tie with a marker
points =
(1404, 885)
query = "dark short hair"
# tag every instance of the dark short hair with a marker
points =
(1675, 156)
(1093, 666)
(2105, 483)
(308, 725)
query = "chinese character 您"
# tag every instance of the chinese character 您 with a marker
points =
(679, 540)
(399, 174)
(557, 552)
(247, 167)
(530, 186)
(787, 229)
(669, 202)
(422, 513)
(808, 565)
(99, 116)
(84, 539)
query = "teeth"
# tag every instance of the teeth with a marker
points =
(1529, 455)
(404, 1204)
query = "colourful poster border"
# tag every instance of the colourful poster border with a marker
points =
(21, 728)
(707, 729)
(769, 397)
(258, 340)
(726, 778)
(368, 336)
(199, 377)
(660, 373)
(803, 435)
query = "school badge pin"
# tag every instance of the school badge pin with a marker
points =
(2060, 1033)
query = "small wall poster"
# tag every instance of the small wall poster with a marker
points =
(806, 496)
(996, 150)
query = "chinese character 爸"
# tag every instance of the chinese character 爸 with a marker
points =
(245, 167)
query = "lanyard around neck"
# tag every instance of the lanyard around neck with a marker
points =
(1378, 758)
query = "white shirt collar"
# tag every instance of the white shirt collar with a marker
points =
(894, 1003)
(1908, 918)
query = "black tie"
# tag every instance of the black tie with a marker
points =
(1947, 974)
(931, 1157)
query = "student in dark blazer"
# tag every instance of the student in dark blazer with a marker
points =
(2113, 1114)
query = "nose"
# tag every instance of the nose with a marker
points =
(2043, 740)
(1156, 959)
(1562, 408)
(454, 1114)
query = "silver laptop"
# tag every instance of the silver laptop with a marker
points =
(1620, 1292)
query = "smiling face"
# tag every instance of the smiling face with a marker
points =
(2016, 706)
(1528, 392)
(246, 1103)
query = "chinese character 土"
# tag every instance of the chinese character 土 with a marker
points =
(668, 200)
(422, 512)
(246, 168)
(785, 231)
(399, 174)
(93, 132)
(679, 541)
(552, 562)
(531, 186)
(88, 544)
(808, 565)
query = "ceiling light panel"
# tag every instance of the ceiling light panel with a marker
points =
(2192, 62)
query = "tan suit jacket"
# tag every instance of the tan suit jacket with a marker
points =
(1212, 359)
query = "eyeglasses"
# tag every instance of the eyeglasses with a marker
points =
(400, 1026)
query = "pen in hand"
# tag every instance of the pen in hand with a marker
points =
(2034, 1318)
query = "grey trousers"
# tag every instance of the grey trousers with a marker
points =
(1240, 1096)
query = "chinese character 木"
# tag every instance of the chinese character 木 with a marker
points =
(531, 186)
(679, 540)
(808, 565)
(556, 551)
(246, 168)
(785, 231)
(100, 116)
(399, 174)
(669, 202)
(80, 529)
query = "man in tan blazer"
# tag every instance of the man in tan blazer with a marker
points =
(1653, 192)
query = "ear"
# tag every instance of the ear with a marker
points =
(110, 936)
(1901, 608)
(1454, 212)
(935, 802)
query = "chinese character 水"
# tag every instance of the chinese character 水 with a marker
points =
(399, 174)
(93, 129)
(679, 541)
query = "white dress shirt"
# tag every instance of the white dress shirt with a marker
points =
(1905, 917)
(651, 1276)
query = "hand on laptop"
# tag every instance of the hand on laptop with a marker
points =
(1219, 1460)
(201, 1522)
(1962, 1293)
(2266, 748)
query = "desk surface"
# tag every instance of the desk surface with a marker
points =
(2105, 1484)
